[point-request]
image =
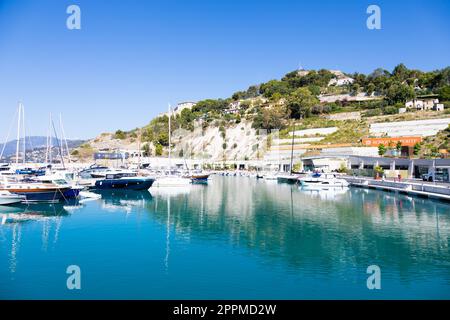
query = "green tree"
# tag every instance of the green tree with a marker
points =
(417, 148)
(399, 92)
(315, 90)
(119, 134)
(274, 86)
(398, 146)
(401, 72)
(158, 149)
(300, 103)
(444, 93)
(355, 88)
(163, 138)
(273, 117)
(147, 150)
(370, 88)
(381, 149)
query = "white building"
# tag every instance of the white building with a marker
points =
(183, 105)
(340, 79)
(425, 104)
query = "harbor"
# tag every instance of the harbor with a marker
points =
(224, 158)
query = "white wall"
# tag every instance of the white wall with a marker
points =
(422, 128)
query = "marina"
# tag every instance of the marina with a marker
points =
(224, 159)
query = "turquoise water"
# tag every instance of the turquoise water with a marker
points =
(237, 238)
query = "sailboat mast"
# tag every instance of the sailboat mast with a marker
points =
(170, 140)
(59, 145)
(50, 140)
(63, 133)
(18, 134)
(139, 149)
(24, 135)
(47, 146)
(292, 148)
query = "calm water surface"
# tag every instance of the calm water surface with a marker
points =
(237, 238)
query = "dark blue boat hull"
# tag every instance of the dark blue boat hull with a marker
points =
(43, 196)
(128, 184)
(71, 193)
(199, 180)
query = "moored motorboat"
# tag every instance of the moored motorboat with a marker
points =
(121, 180)
(322, 181)
(291, 179)
(36, 191)
(199, 178)
(73, 190)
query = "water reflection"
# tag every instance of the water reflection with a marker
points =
(50, 215)
(319, 232)
(327, 230)
(121, 200)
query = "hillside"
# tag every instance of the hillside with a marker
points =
(230, 128)
(33, 143)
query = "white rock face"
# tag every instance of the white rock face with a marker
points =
(241, 142)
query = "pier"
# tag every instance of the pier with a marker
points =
(413, 188)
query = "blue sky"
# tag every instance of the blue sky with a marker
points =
(131, 58)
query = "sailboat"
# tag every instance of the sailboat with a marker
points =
(171, 180)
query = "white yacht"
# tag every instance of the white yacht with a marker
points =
(322, 181)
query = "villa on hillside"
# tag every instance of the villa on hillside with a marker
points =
(430, 103)
(183, 105)
(340, 79)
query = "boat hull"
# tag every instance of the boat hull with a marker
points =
(10, 200)
(128, 184)
(72, 193)
(314, 185)
(40, 195)
(200, 178)
(172, 182)
(288, 179)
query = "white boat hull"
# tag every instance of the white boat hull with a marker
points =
(9, 198)
(317, 186)
(171, 182)
(323, 183)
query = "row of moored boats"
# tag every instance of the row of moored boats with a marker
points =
(52, 185)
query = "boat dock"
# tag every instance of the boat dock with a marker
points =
(427, 190)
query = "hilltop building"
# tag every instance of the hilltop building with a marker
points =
(183, 105)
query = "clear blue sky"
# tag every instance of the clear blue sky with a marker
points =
(131, 58)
